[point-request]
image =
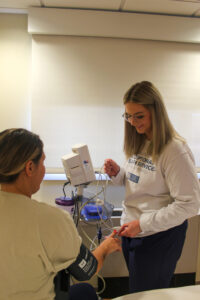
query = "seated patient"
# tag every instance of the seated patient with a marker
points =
(37, 240)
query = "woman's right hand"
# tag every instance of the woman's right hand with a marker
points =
(111, 167)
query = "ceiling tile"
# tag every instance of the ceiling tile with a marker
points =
(162, 6)
(174, 7)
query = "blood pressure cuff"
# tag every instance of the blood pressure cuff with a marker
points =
(85, 265)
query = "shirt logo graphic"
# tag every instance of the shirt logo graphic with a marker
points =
(142, 162)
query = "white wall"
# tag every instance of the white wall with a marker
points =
(78, 84)
(15, 59)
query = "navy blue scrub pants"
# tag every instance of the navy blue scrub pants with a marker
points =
(151, 260)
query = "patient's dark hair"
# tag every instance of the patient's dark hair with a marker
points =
(17, 146)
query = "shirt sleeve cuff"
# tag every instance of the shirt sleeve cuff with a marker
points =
(144, 223)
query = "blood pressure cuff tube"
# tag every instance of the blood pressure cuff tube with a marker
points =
(85, 265)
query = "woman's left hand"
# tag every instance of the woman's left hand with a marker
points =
(130, 229)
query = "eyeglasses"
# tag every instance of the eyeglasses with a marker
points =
(128, 117)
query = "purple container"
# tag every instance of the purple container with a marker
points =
(65, 203)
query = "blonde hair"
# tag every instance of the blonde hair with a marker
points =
(17, 146)
(145, 93)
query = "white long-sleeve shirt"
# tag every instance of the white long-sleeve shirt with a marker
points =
(160, 195)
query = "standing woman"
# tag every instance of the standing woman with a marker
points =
(162, 189)
(38, 240)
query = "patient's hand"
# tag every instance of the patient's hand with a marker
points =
(111, 243)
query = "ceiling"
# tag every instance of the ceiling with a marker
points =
(188, 8)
